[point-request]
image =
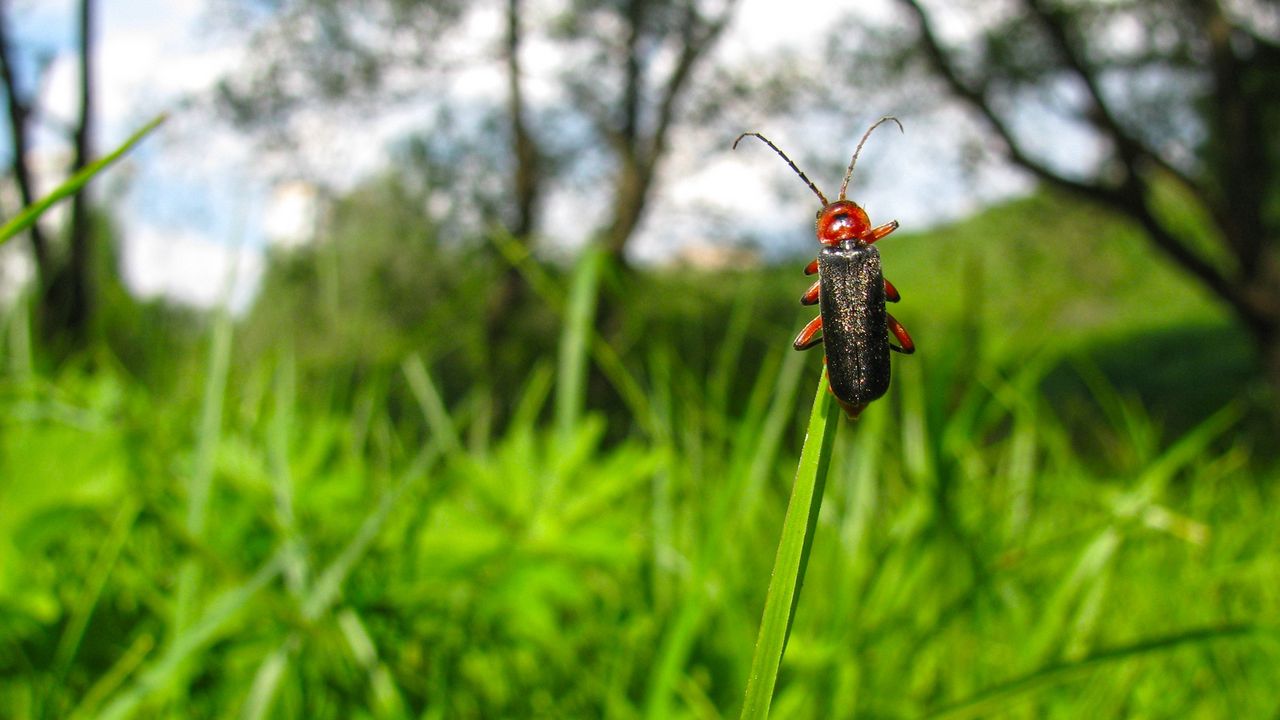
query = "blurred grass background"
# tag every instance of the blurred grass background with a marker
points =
(1054, 512)
(455, 461)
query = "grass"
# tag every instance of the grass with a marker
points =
(247, 546)
(968, 563)
(72, 185)
(793, 553)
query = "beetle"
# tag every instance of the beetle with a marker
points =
(851, 292)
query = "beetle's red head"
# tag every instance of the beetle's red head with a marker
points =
(842, 220)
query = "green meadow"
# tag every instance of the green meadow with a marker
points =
(1065, 507)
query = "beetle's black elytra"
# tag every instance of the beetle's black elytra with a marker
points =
(854, 322)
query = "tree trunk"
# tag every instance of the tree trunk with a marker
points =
(631, 190)
(68, 293)
(1269, 357)
(71, 295)
(526, 193)
(1263, 319)
(19, 138)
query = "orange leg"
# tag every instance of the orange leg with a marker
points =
(810, 296)
(806, 339)
(875, 234)
(891, 292)
(811, 268)
(908, 346)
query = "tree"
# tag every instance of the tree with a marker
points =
(635, 111)
(1184, 96)
(65, 293)
(629, 66)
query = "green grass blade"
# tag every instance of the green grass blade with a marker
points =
(756, 446)
(217, 616)
(571, 373)
(262, 693)
(69, 643)
(110, 681)
(729, 355)
(200, 483)
(278, 438)
(328, 585)
(537, 387)
(793, 553)
(767, 439)
(387, 699)
(210, 430)
(29, 214)
(431, 404)
(999, 697)
(605, 357)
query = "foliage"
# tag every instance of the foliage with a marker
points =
(383, 281)
(270, 544)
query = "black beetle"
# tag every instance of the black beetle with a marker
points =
(852, 293)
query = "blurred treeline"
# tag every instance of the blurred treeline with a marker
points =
(1175, 124)
(442, 468)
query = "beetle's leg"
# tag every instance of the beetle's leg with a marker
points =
(908, 346)
(810, 296)
(806, 339)
(875, 234)
(891, 292)
(811, 268)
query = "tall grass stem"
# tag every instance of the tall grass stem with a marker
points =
(793, 553)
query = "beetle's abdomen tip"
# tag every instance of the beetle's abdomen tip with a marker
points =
(851, 410)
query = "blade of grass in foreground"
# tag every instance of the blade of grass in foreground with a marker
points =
(73, 184)
(793, 553)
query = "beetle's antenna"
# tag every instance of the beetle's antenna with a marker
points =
(799, 172)
(844, 186)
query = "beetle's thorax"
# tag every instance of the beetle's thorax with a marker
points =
(840, 221)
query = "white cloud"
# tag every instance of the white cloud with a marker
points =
(291, 216)
(191, 268)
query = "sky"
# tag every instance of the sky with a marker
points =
(197, 208)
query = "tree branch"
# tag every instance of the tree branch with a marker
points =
(639, 152)
(633, 82)
(1244, 180)
(699, 35)
(1129, 198)
(527, 179)
(976, 98)
(1129, 147)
